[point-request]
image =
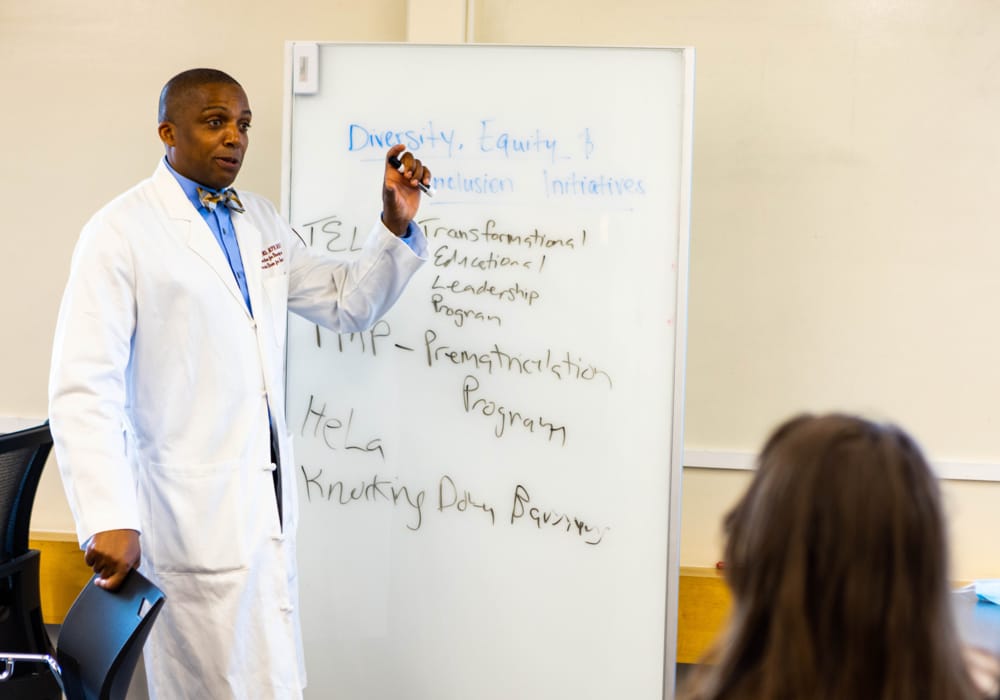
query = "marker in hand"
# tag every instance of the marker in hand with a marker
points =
(395, 162)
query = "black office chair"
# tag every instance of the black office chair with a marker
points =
(99, 642)
(22, 458)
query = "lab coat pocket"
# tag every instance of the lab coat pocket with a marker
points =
(197, 518)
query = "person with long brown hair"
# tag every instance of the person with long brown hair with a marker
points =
(837, 560)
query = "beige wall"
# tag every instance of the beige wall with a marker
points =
(820, 126)
(844, 253)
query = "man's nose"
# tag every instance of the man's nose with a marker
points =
(232, 135)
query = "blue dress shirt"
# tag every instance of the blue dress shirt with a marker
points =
(220, 222)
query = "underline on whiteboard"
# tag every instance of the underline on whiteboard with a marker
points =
(477, 159)
(602, 209)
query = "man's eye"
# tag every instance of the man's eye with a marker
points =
(215, 122)
(244, 127)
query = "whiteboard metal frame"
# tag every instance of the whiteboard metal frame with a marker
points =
(680, 363)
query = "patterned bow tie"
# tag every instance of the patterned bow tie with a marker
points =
(228, 198)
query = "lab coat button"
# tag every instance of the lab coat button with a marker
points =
(286, 608)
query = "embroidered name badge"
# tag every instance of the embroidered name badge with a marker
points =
(271, 256)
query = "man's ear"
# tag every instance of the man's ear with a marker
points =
(166, 131)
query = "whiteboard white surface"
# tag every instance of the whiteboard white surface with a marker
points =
(489, 478)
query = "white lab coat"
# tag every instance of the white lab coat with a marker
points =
(160, 387)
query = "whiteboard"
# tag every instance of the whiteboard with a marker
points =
(489, 478)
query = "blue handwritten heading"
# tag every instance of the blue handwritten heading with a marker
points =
(361, 137)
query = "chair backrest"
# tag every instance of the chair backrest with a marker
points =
(102, 637)
(22, 458)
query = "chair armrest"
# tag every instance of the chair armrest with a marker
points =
(11, 567)
(8, 661)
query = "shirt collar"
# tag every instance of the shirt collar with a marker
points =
(189, 186)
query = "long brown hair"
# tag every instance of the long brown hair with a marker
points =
(836, 557)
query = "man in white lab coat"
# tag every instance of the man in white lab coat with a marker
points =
(167, 386)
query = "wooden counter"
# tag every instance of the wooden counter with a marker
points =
(703, 599)
(703, 603)
(62, 572)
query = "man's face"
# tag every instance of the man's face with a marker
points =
(206, 134)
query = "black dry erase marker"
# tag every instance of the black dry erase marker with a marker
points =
(395, 162)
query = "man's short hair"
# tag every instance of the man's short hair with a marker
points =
(182, 83)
